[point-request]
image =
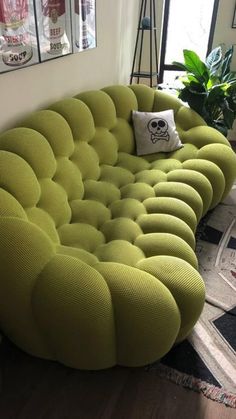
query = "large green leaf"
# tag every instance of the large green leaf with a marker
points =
(231, 86)
(216, 94)
(191, 78)
(194, 99)
(196, 66)
(192, 84)
(226, 62)
(213, 81)
(232, 103)
(229, 76)
(229, 115)
(187, 79)
(220, 126)
(196, 87)
(180, 65)
(213, 61)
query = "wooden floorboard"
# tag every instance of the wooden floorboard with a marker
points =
(31, 388)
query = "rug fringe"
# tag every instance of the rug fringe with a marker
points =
(210, 391)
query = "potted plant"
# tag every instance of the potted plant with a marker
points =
(210, 87)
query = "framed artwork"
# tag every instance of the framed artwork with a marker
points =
(54, 28)
(234, 18)
(18, 40)
(34, 31)
(83, 24)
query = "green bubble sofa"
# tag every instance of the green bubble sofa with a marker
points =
(97, 261)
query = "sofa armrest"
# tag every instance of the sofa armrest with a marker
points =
(24, 251)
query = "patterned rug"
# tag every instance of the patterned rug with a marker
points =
(206, 362)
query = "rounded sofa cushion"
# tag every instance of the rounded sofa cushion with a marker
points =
(166, 223)
(101, 107)
(151, 177)
(213, 173)
(78, 117)
(145, 97)
(222, 156)
(86, 159)
(198, 181)
(132, 163)
(124, 136)
(54, 200)
(142, 309)
(127, 207)
(25, 251)
(166, 165)
(181, 191)
(10, 206)
(173, 273)
(60, 139)
(78, 253)
(119, 251)
(81, 235)
(23, 142)
(18, 178)
(124, 100)
(121, 229)
(116, 175)
(172, 206)
(69, 177)
(138, 190)
(101, 191)
(82, 313)
(203, 135)
(89, 212)
(166, 244)
(105, 145)
(43, 220)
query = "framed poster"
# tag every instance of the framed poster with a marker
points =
(33, 31)
(54, 28)
(234, 18)
(83, 24)
(18, 41)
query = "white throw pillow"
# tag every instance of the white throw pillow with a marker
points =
(155, 132)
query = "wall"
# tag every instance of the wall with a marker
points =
(224, 34)
(37, 86)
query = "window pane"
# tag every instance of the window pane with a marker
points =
(171, 78)
(188, 28)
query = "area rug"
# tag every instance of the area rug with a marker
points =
(206, 361)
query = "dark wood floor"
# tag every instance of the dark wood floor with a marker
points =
(31, 388)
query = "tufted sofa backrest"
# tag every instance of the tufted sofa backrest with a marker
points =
(54, 158)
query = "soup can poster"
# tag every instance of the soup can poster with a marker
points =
(84, 25)
(54, 28)
(18, 44)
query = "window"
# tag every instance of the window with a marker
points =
(187, 24)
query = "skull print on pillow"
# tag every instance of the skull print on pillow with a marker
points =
(155, 132)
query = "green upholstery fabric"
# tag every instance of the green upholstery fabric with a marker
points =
(97, 261)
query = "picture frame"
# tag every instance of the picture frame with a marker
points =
(44, 30)
(84, 26)
(18, 35)
(54, 28)
(234, 18)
